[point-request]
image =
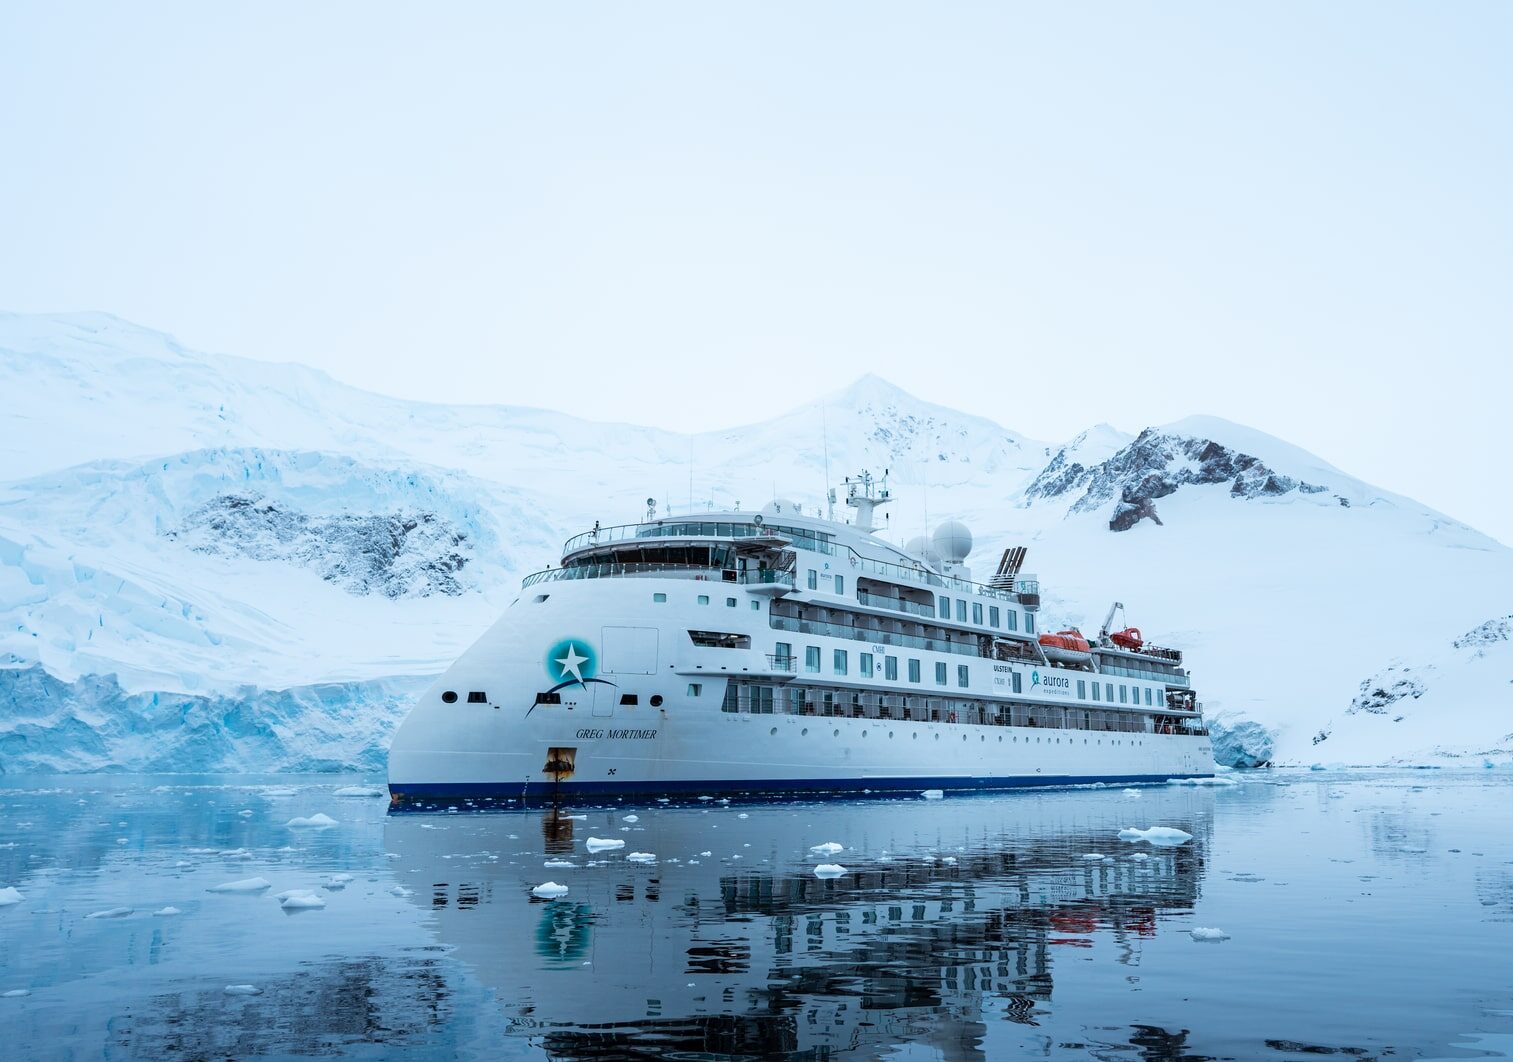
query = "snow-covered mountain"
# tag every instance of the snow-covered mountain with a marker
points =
(207, 561)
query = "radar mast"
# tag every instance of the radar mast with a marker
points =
(864, 494)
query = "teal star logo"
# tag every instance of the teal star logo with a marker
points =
(1034, 678)
(571, 660)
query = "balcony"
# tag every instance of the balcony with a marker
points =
(897, 604)
(766, 581)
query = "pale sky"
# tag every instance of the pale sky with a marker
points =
(1293, 215)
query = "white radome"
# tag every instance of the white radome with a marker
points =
(953, 541)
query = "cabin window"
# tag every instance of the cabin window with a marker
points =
(756, 605)
(703, 599)
(840, 584)
(1013, 618)
(945, 607)
(1082, 689)
(840, 661)
(812, 659)
(1108, 692)
(814, 579)
(913, 670)
(940, 673)
(660, 599)
(890, 668)
(548, 698)
(977, 613)
(720, 640)
(961, 610)
(992, 615)
(864, 665)
(963, 676)
(1017, 681)
(1029, 623)
(1147, 696)
(695, 689)
(478, 697)
(783, 652)
(630, 699)
(1097, 694)
(1123, 694)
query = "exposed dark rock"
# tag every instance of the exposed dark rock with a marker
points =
(1383, 690)
(395, 554)
(1489, 633)
(1154, 465)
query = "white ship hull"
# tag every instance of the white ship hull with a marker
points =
(680, 738)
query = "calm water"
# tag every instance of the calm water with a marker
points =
(1369, 915)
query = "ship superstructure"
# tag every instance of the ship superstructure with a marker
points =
(779, 651)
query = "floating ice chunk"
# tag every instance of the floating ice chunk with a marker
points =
(706, 798)
(300, 900)
(743, 815)
(1133, 794)
(1093, 855)
(828, 848)
(1201, 933)
(9, 895)
(166, 912)
(603, 844)
(706, 855)
(1216, 780)
(15, 993)
(559, 863)
(829, 870)
(933, 794)
(549, 890)
(641, 857)
(391, 855)
(244, 885)
(245, 813)
(243, 990)
(400, 890)
(359, 791)
(111, 912)
(1141, 856)
(319, 820)
(632, 818)
(577, 818)
(1159, 835)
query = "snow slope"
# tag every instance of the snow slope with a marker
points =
(263, 559)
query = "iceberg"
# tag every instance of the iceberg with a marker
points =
(828, 848)
(300, 900)
(549, 890)
(603, 844)
(166, 912)
(933, 794)
(243, 990)
(10, 895)
(1205, 934)
(359, 791)
(113, 912)
(829, 870)
(641, 857)
(1158, 835)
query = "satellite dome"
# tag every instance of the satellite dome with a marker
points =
(916, 546)
(952, 541)
(933, 559)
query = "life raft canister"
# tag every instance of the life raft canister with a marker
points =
(1129, 638)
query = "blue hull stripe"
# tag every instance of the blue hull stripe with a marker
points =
(544, 790)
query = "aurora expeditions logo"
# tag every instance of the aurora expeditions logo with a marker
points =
(571, 662)
(1058, 684)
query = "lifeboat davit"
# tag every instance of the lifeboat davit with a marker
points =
(1129, 638)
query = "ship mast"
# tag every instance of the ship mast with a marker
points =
(864, 494)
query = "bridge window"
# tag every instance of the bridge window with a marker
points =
(478, 697)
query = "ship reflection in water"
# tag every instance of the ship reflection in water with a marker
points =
(950, 920)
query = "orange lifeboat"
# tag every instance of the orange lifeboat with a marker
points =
(1129, 638)
(1071, 641)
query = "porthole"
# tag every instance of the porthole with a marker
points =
(864, 733)
(835, 733)
(914, 736)
(890, 733)
(804, 732)
(656, 700)
(450, 697)
(773, 731)
(937, 737)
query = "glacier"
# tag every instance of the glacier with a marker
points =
(260, 574)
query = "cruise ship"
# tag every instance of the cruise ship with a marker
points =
(785, 652)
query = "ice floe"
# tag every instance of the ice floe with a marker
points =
(300, 900)
(559, 863)
(1216, 780)
(828, 848)
(933, 794)
(15, 993)
(1133, 794)
(10, 895)
(400, 890)
(632, 818)
(829, 870)
(111, 912)
(603, 844)
(359, 791)
(243, 885)
(1159, 835)
(1202, 933)
(243, 990)
(319, 820)
(641, 857)
(166, 912)
(549, 890)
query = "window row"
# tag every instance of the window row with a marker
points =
(867, 665)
